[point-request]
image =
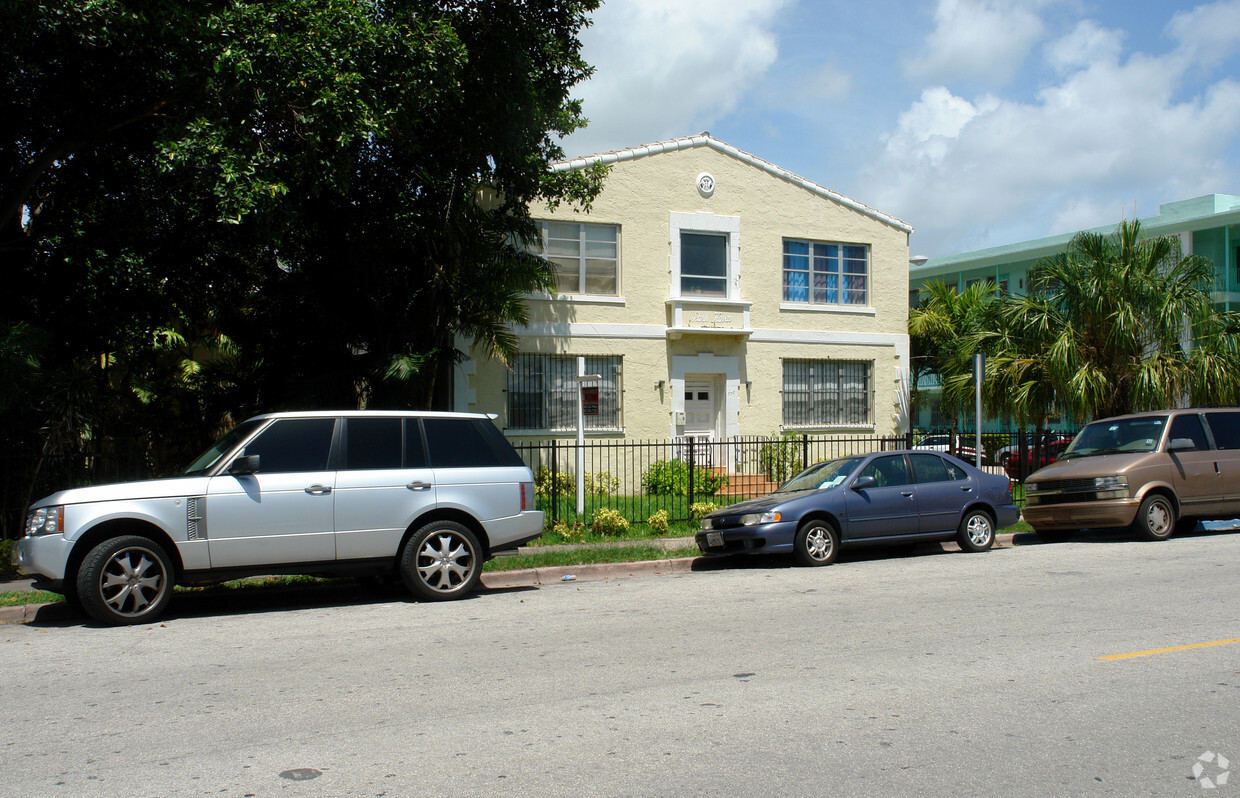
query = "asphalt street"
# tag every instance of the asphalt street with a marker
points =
(948, 674)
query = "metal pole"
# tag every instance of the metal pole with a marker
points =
(979, 372)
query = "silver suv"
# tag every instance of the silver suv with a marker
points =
(426, 496)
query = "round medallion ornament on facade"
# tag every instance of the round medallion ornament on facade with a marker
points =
(705, 184)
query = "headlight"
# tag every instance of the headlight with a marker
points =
(706, 523)
(46, 521)
(769, 517)
(1111, 483)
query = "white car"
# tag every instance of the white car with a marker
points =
(426, 496)
(943, 443)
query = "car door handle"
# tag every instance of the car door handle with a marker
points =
(966, 488)
(908, 494)
(318, 490)
(418, 485)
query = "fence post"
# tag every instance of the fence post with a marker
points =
(804, 451)
(692, 468)
(555, 482)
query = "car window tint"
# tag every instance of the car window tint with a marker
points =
(928, 468)
(415, 451)
(1189, 427)
(1226, 429)
(294, 444)
(887, 471)
(373, 443)
(502, 448)
(457, 443)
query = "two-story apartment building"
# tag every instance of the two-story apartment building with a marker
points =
(716, 295)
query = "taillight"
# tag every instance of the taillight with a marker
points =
(527, 496)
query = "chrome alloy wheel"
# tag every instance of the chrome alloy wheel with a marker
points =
(818, 544)
(445, 561)
(979, 530)
(132, 581)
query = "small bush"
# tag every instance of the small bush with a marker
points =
(778, 458)
(698, 510)
(601, 483)
(608, 522)
(545, 480)
(570, 533)
(671, 478)
(659, 522)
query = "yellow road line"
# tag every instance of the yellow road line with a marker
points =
(1165, 650)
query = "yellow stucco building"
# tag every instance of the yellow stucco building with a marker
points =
(716, 295)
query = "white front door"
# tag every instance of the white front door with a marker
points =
(701, 407)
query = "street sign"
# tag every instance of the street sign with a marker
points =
(589, 400)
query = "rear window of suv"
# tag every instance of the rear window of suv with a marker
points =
(467, 443)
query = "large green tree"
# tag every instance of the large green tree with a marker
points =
(947, 329)
(214, 207)
(1120, 323)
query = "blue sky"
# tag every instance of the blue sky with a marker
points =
(978, 122)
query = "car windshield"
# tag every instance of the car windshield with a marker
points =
(208, 459)
(826, 474)
(1120, 435)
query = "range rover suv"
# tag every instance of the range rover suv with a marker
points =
(1150, 472)
(428, 497)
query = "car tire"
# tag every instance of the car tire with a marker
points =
(816, 543)
(441, 561)
(1155, 519)
(976, 531)
(125, 580)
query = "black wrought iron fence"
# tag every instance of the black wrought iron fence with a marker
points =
(25, 479)
(638, 479)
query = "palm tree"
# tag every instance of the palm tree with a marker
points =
(947, 329)
(1117, 324)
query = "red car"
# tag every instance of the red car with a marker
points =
(1051, 449)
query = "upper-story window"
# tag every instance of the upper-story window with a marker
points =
(703, 264)
(705, 256)
(821, 273)
(586, 256)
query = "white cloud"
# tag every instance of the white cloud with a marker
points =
(1208, 33)
(984, 41)
(669, 69)
(1087, 44)
(992, 171)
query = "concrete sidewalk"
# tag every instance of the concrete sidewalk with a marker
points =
(539, 577)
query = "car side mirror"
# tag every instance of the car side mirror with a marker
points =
(245, 464)
(1181, 445)
(861, 483)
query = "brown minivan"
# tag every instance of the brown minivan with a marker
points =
(1151, 472)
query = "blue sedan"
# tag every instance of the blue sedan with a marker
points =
(886, 497)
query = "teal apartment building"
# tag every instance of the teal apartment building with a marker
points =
(1208, 226)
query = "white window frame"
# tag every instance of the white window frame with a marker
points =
(708, 223)
(841, 289)
(544, 234)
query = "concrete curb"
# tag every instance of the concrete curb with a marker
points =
(541, 577)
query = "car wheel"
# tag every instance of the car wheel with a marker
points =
(1052, 535)
(816, 543)
(1155, 519)
(125, 580)
(976, 532)
(441, 561)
